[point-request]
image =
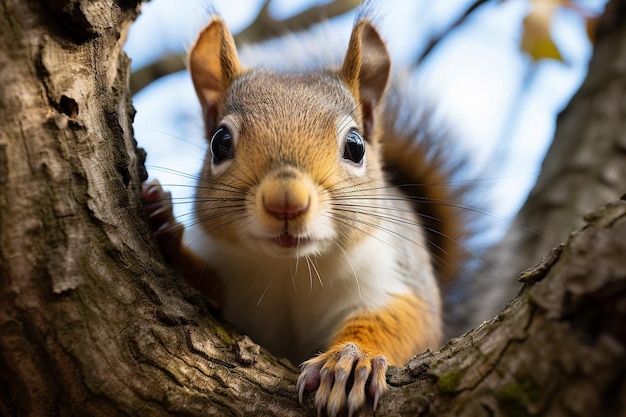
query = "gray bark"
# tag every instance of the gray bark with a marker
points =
(584, 168)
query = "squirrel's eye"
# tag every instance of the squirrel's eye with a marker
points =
(222, 145)
(354, 149)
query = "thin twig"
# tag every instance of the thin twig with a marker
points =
(437, 39)
(262, 29)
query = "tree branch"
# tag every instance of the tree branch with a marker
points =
(436, 40)
(559, 348)
(263, 28)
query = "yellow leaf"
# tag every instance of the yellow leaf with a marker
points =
(591, 25)
(536, 39)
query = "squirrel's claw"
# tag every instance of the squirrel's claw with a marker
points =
(330, 371)
(356, 397)
(157, 204)
(309, 378)
(378, 383)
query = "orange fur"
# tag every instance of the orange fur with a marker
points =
(399, 330)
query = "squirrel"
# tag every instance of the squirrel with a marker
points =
(315, 228)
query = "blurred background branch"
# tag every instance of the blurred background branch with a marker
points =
(435, 40)
(264, 27)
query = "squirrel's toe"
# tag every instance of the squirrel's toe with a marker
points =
(157, 204)
(330, 372)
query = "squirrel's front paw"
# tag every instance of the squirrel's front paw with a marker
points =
(329, 374)
(157, 204)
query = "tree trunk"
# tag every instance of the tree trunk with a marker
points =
(92, 322)
(584, 168)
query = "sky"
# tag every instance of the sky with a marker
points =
(500, 106)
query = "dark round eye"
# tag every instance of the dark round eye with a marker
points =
(222, 145)
(354, 149)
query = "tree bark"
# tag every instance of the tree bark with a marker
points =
(93, 323)
(558, 349)
(584, 168)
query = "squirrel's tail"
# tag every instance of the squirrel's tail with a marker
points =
(423, 161)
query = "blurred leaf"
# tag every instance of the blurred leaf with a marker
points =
(536, 39)
(591, 25)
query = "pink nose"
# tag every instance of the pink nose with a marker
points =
(285, 208)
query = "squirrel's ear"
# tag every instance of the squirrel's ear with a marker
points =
(213, 64)
(366, 68)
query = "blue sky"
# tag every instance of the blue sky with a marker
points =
(501, 107)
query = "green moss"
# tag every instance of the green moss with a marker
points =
(517, 397)
(221, 332)
(448, 382)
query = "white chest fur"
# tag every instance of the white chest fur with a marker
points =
(293, 307)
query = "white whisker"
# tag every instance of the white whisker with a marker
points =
(293, 277)
(266, 289)
(319, 278)
(308, 265)
(356, 278)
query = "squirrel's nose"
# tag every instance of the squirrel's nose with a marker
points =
(286, 194)
(286, 207)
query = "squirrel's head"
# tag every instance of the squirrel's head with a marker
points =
(287, 150)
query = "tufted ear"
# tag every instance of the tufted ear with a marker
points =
(365, 70)
(213, 64)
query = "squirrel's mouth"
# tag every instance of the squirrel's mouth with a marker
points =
(286, 240)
